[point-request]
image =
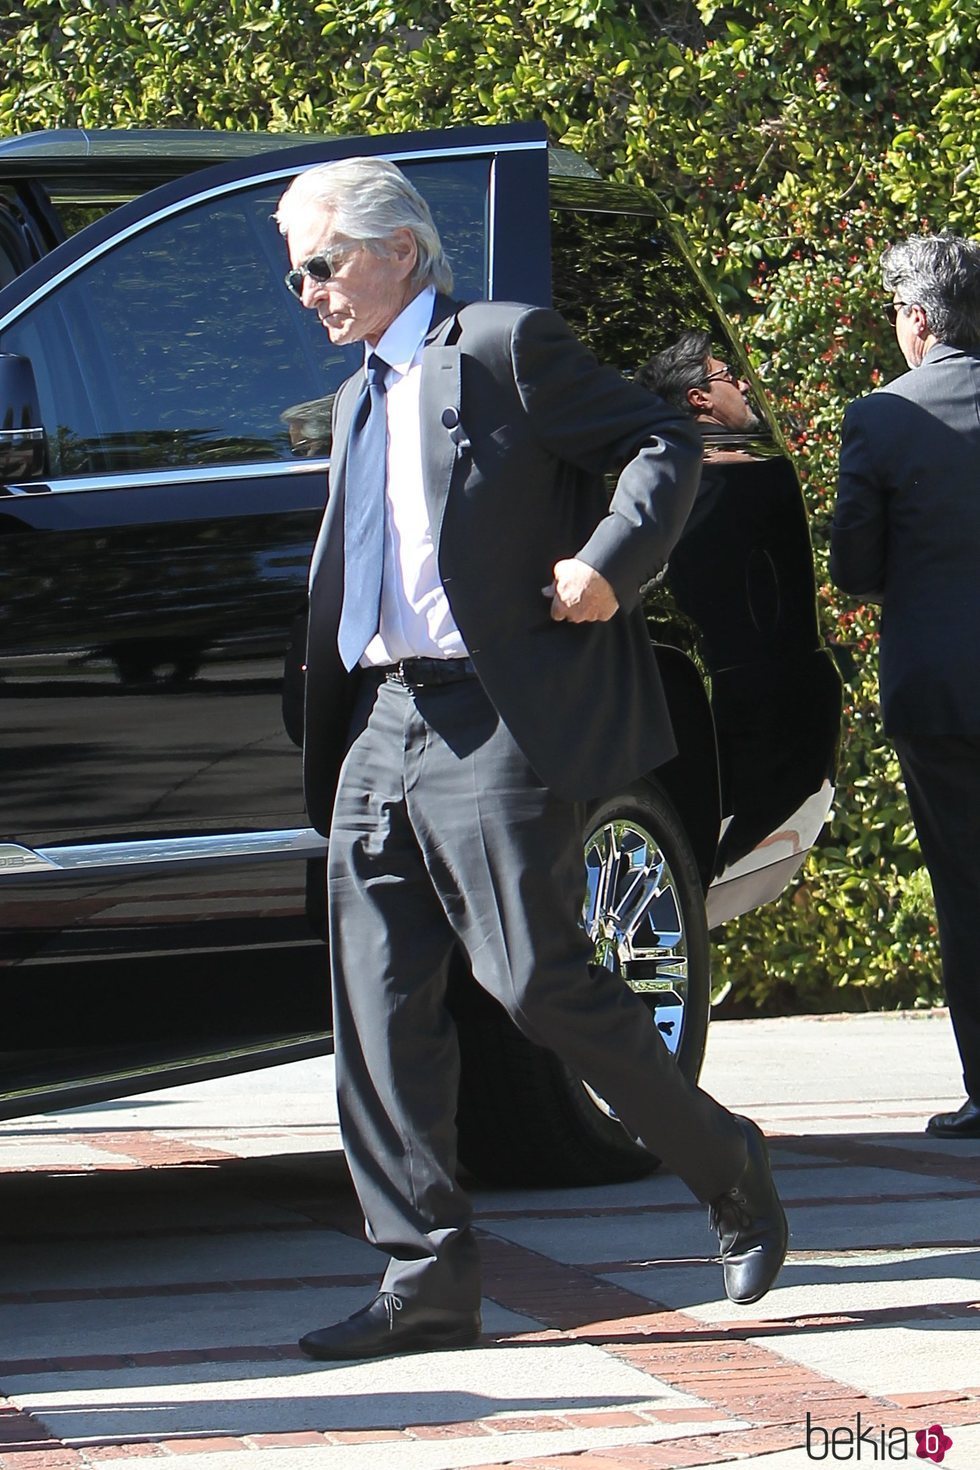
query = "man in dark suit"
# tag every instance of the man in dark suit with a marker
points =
(478, 665)
(906, 533)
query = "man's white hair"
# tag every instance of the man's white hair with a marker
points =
(369, 199)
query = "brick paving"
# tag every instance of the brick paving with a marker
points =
(672, 1381)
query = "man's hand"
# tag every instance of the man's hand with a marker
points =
(580, 594)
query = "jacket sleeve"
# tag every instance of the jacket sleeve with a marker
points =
(591, 417)
(859, 534)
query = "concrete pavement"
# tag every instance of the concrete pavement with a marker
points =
(162, 1254)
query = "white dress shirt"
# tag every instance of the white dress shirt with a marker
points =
(415, 616)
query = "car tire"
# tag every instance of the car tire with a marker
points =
(523, 1117)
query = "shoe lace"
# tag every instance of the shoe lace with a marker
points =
(730, 1212)
(392, 1304)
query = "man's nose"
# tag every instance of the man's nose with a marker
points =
(312, 290)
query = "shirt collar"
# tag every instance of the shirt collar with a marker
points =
(402, 340)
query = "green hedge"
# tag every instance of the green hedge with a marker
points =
(792, 141)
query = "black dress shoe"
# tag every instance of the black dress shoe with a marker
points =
(388, 1325)
(751, 1225)
(964, 1123)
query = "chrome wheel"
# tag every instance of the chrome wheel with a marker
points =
(634, 916)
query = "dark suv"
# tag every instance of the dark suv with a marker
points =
(164, 433)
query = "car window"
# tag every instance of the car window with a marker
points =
(625, 288)
(180, 346)
(11, 245)
(75, 215)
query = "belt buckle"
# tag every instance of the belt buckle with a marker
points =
(397, 674)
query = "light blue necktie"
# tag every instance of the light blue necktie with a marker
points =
(364, 516)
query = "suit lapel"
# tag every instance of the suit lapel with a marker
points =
(343, 410)
(439, 411)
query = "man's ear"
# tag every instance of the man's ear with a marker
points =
(921, 318)
(698, 400)
(403, 248)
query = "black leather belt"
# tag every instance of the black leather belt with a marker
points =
(421, 673)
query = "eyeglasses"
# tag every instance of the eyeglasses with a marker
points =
(891, 310)
(723, 375)
(319, 267)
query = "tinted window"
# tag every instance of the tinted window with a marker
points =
(625, 288)
(76, 216)
(13, 254)
(180, 346)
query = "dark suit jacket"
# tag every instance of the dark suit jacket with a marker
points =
(514, 487)
(906, 533)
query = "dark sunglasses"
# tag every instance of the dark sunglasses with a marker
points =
(723, 375)
(892, 309)
(318, 268)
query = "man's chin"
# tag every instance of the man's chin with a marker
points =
(339, 332)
